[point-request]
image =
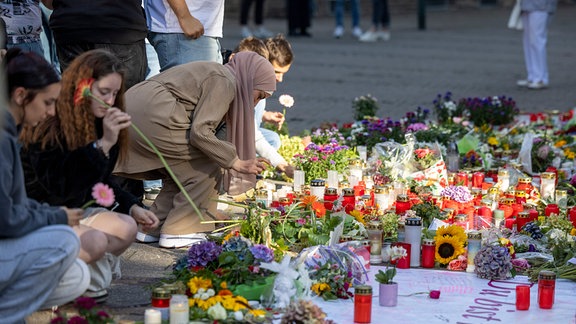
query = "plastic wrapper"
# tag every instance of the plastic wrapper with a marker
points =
(315, 256)
(390, 158)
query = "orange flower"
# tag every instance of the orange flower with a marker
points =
(319, 209)
(82, 90)
(308, 200)
(225, 292)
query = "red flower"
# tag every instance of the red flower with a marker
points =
(82, 90)
(434, 294)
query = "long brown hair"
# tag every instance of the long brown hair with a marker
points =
(75, 124)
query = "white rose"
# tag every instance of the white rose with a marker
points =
(217, 312)
(286, 100)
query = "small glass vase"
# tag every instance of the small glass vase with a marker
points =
(388, 294)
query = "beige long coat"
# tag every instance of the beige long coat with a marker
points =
(179, 111)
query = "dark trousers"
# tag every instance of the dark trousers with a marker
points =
(133, 56)
(245, 11)
(299, 15)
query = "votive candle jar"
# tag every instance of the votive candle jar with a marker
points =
(547, 185)
(525, 184)
(381, 198)
(152, 316)
(474, 244)
(498, 215)
(522, 297)
(413, 228)
(551, 209)
(179, 309)
(402, 204)
(363, 304)
(161, 301)
(428, 253)
(561, 199)
(546, 288)
(355, 168)
(348, 199)
(521, 219)
(330, 195)
(317, 187)
(503, 180)
(374, 230)
(299, 180)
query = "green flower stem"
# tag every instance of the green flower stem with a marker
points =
(155, 149)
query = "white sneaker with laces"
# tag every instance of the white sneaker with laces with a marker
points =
(369, 36)
(357, 32)
(169, 241)
(338, 31)
(246, 32)
(146, 238)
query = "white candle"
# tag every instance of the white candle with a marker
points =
(179, 309)
(152, 316)
(298, 180)
(332, 179)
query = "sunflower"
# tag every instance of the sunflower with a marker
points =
(358, 215)
(448, 248)
(453, 231)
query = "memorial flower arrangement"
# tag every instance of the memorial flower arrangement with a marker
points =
(86, 311)
(331, 281)
(365, 106)
(318, 159)
(304, 311)
(425, 158)
(450, 243)
(446, 109)
(542, 154)
(493, 262)
(496, 110)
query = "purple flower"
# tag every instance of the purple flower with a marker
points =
(199, 255)
(416, 127)
(262, 253)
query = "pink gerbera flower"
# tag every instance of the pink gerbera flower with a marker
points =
(103, 194)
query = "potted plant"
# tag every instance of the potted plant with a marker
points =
(388, 289)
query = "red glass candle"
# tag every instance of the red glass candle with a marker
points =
(533, 215)
(477, 179)
(403, 263)
(428, 253)
(485, 217)
(522, 297)
(359, 190)
(330, 195)
(516, 209)
(284, 201)
(546, 288)
(402, 204)
(509, 222)
(572, 216)
(363, 304)
(461, 179)
(551, 209)
(161, 298)
(522, 219)
(525, 184)
(348, 199)
(461, 220)
(520, 197)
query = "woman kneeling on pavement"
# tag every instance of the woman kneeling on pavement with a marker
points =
(200, 115)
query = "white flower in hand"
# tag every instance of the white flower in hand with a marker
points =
(286, 100)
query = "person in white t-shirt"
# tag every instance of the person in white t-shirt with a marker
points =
(183, 31)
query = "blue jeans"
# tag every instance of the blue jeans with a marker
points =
(175, 49)
(35, 47)
(32, 266)
(339, 13)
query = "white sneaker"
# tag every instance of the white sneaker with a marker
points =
(383, 35)
(369, 36)
(146, 238)
(523, 83)
(537, 85)
(357, 32)
(338, 31)
(246, 32)
(262, 32)
(169, 241)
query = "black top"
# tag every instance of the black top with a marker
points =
(98, 21)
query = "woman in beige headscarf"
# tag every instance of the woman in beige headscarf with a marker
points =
(200, 116)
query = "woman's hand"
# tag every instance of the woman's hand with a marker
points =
(145, 218)
(252, 166)
(113, 122)
(286, 168)
(74, 215)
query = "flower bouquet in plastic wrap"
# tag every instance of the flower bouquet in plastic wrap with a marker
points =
(333, 270)
(389, 160)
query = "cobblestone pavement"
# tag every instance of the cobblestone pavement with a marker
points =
(467, 51)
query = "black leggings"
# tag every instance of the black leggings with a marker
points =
(258, 12)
